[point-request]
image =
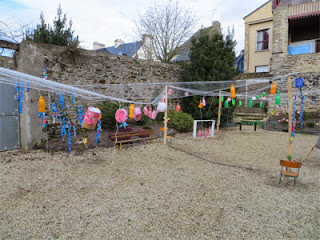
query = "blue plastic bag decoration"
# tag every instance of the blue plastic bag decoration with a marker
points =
(99, 131)
(69, 137)
(299, 84)
(74, 129)
(72, 98)
(21, 97)
(54, 114)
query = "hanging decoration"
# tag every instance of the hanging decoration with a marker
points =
(178, 108)
(226, 104)
(169, 91)
(131, 109)
(233, 91)
(73, 101)
(80, 115)
(162, 107)
(21, 97)
(99, 131)
(250, 103)
(28, 90)
(121, 115)
(200, 105)
(299, 84)
(145, 111)
(91, 118)
(54, 112)
(186, 94)
(203, 102)
(150, 112)
(137, 114)
(278, 100)
(233, 101)
(273, 89)
(240, 103)
(42, 110)
(261, 104)
(69, 137)
(17, 92)
(74, 129)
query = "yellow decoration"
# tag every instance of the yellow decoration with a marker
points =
(42, 105)
(200, 105)
(233, 91)
(131, 109)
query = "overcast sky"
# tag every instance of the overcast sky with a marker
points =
(106, 20)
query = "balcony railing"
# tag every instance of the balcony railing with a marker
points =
(290, 2)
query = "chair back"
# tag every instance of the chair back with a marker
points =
(290, 164)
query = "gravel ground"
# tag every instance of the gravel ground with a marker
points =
(153, 191)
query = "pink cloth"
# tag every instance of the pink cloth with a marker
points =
(137, 114)
(121, 115)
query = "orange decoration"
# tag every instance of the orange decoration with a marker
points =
(200, 105)
(42, 105)
(273, 89)
(131, 109)
(233, 91)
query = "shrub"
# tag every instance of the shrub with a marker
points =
(182, 122)
(310, 125)
(108, 111)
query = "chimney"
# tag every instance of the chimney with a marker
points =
(216, 25)
(146, 38)
(118, 42)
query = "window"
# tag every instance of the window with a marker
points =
(262, 69)
(263, 40)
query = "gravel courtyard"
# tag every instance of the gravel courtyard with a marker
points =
(216, 188)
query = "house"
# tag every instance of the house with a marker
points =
(258, 36)
(184, 50)
(283, 36)
(140, 49)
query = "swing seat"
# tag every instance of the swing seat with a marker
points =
(287, 171)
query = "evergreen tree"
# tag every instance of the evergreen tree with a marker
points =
(212, 58)
(59, 34)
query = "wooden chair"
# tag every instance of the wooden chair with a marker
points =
(287, 173)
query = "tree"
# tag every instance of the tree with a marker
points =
(212, 58)
(59, 34)
(169, 24)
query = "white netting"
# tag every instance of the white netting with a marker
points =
(150, 93)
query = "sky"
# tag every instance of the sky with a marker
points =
(106, 20)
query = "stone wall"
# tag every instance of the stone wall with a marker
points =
(7, 62)
(84, 67)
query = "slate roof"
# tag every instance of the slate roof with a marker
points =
(126, 49)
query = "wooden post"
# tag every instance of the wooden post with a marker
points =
(219, 112)
(290, 111)
(166, 116)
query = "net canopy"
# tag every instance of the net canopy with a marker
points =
(149, 93)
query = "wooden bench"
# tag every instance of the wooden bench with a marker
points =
(248, 122)
(137, 135)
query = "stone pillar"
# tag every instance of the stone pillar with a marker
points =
(280, 37)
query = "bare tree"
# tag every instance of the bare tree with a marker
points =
(13, 32)
(169, 25)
